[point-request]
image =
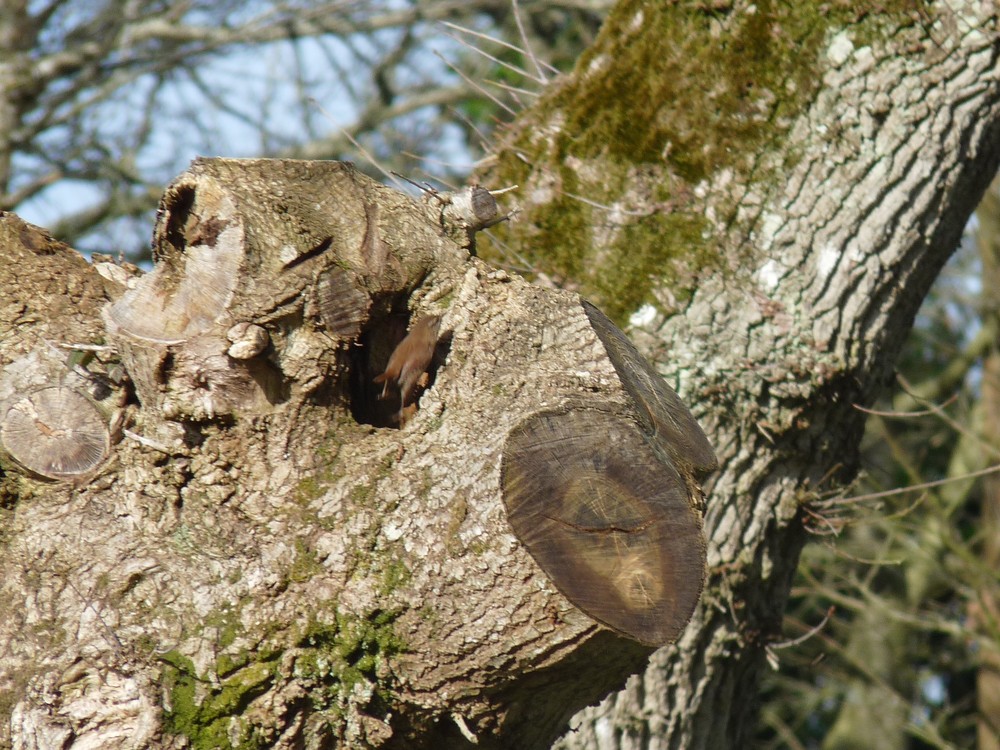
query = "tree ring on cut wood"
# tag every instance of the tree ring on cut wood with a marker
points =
(608, 519)
(55, 432)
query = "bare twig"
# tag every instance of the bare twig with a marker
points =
(524, 40)
(807, 635)
(475, 85)
(906, 414)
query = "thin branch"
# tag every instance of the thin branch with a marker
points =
(923, 486)
(527, 45)
(807, 635)
(502, 43)
(959, 428)
(514, 91)
(502, 63)
(609, 209)
(11, 200)
(475, 85)
(906, 414)
(955, 371)
(440, 162)
(373, 161)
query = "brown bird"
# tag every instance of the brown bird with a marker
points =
(411, 359)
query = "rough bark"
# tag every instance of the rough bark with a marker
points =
(827, 166)
(180, 577)
(257, 553)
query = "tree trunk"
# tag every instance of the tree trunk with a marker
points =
(273, 556)
(265, 559)
(779, 190)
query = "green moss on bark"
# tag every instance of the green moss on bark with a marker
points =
(331, 656)
(670, 96)
(340, 653)
(203, 711)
